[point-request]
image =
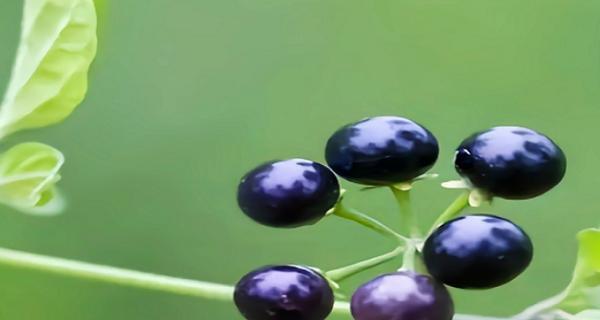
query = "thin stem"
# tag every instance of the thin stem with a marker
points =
(143, 280)
(455, 208)
(353, 215)
(408, 259)
(114, 275)
(347, 271)
(408, 221)
(341, 307)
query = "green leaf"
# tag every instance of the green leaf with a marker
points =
(49, 76)
(583, 292)
(28, 172)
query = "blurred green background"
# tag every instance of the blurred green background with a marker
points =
(187, 95)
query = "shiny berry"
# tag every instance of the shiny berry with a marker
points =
(381, 151)
(402, 296)
(283, 293)
(477, 252)
(511, 162)
(288, 193)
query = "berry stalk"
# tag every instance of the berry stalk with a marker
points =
(347, 271)
(351, 214)
(408, 221)
(453, 210)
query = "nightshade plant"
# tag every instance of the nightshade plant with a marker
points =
(474, 251)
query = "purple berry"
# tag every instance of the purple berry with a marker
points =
(284, 292)
(404, 295)
(381, 150)
(288, 193)
(511, 162)
(477, 252)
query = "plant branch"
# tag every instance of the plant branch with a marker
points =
(347, 271)
(143, 280)
(408, 222)
(455, 208)
(408, 260)
(114, 275)
(347, 213)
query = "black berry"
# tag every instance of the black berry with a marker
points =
(288, 193)
(477, 252)
(381, 151)
(283, 293)
(511, 162)
(402, 296)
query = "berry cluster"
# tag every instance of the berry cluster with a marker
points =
(475, 251)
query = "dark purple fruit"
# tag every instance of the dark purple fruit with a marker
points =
(402, 295)
(477, 252)
(381, 151)
(288, 193)
(511, 162)
(284, 292)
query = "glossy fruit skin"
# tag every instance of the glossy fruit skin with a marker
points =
(381, 150)
(477, 252)
(511, 162)
(404, 295)
(288, 193)
(285, 292)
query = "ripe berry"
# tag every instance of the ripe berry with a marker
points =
(511, 162)
(288, 193)
(381, 151)
(283, 293)
(402, 296)
(477, 252)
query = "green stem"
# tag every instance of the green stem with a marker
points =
(347, 271)
(143, 280)
(353, 215)
(408, 221)
(408, 260)
(455, 208)
(114, 275)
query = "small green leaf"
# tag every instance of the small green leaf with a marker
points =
(49, 76)
(583, 292)
(28, 172)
